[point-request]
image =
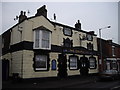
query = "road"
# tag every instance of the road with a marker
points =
(110, 85)
(88, 83)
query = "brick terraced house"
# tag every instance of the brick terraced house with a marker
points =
(110, 55)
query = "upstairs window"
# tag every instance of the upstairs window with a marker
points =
(89, 37)
(113, 50)
(89, 46)
(42, 39)
(67, 42)
(67, 31)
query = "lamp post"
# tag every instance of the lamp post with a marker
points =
(100, 41)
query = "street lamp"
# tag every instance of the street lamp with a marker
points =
(100, 41)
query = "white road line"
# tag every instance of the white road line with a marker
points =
(115, 87)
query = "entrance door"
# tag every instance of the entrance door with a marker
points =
(62, 65)
(5, 69)
(84, 65)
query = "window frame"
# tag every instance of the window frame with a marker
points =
(114, 65)
(95, 65)
(53, 64)
(64, 31)
(72, 68)
(40, 31)
(90, 46)
(67, 42)
(41, 69)
(89, 37)
(113, 51)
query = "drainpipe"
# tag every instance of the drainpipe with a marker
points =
(20, 30)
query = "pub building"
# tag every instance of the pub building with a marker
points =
(37, 47)
(110, 55)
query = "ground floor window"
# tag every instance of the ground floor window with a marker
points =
(114, 65)
(41, 62)
(92, 61)
(73, 62)
(107, 65)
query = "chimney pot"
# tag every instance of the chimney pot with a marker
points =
(42, 11)
(78, 25)
(22, 16)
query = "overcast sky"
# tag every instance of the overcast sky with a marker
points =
(92, 15)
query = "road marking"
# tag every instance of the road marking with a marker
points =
(115, 87)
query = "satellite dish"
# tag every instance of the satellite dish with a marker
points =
(16, 18)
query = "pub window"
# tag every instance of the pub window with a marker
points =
(67, 42)
(89, 46)
(42, 39)
(67, 31)
(53, 64)
(73, 62)
(92, 61)
(41, 62)
(89, 37)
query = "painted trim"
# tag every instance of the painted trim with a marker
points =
(40, 39)
(26, 45)
(67, 34)
(95, 62)
(76, 64)
(48, 61)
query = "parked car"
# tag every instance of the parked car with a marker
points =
(109, 74)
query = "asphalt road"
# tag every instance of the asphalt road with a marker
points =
(110, 85)
(87, 83)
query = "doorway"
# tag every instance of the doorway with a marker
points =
(62, 65)
(84, 66)
(5, 69)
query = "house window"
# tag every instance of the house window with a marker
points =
(89, 46)
(113, 50)
(42, 39)
(114, 65)
(92, 61)
(41, 62)
(67, 42)
(73, 62)
(67, 31)
(89, 37)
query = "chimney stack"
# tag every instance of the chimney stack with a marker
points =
(91, 32)
(78, 25)
(42, 11)
(109, 41)
(22, 16)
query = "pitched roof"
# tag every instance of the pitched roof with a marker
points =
(54, 23)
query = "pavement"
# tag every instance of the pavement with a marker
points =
(53, 82)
